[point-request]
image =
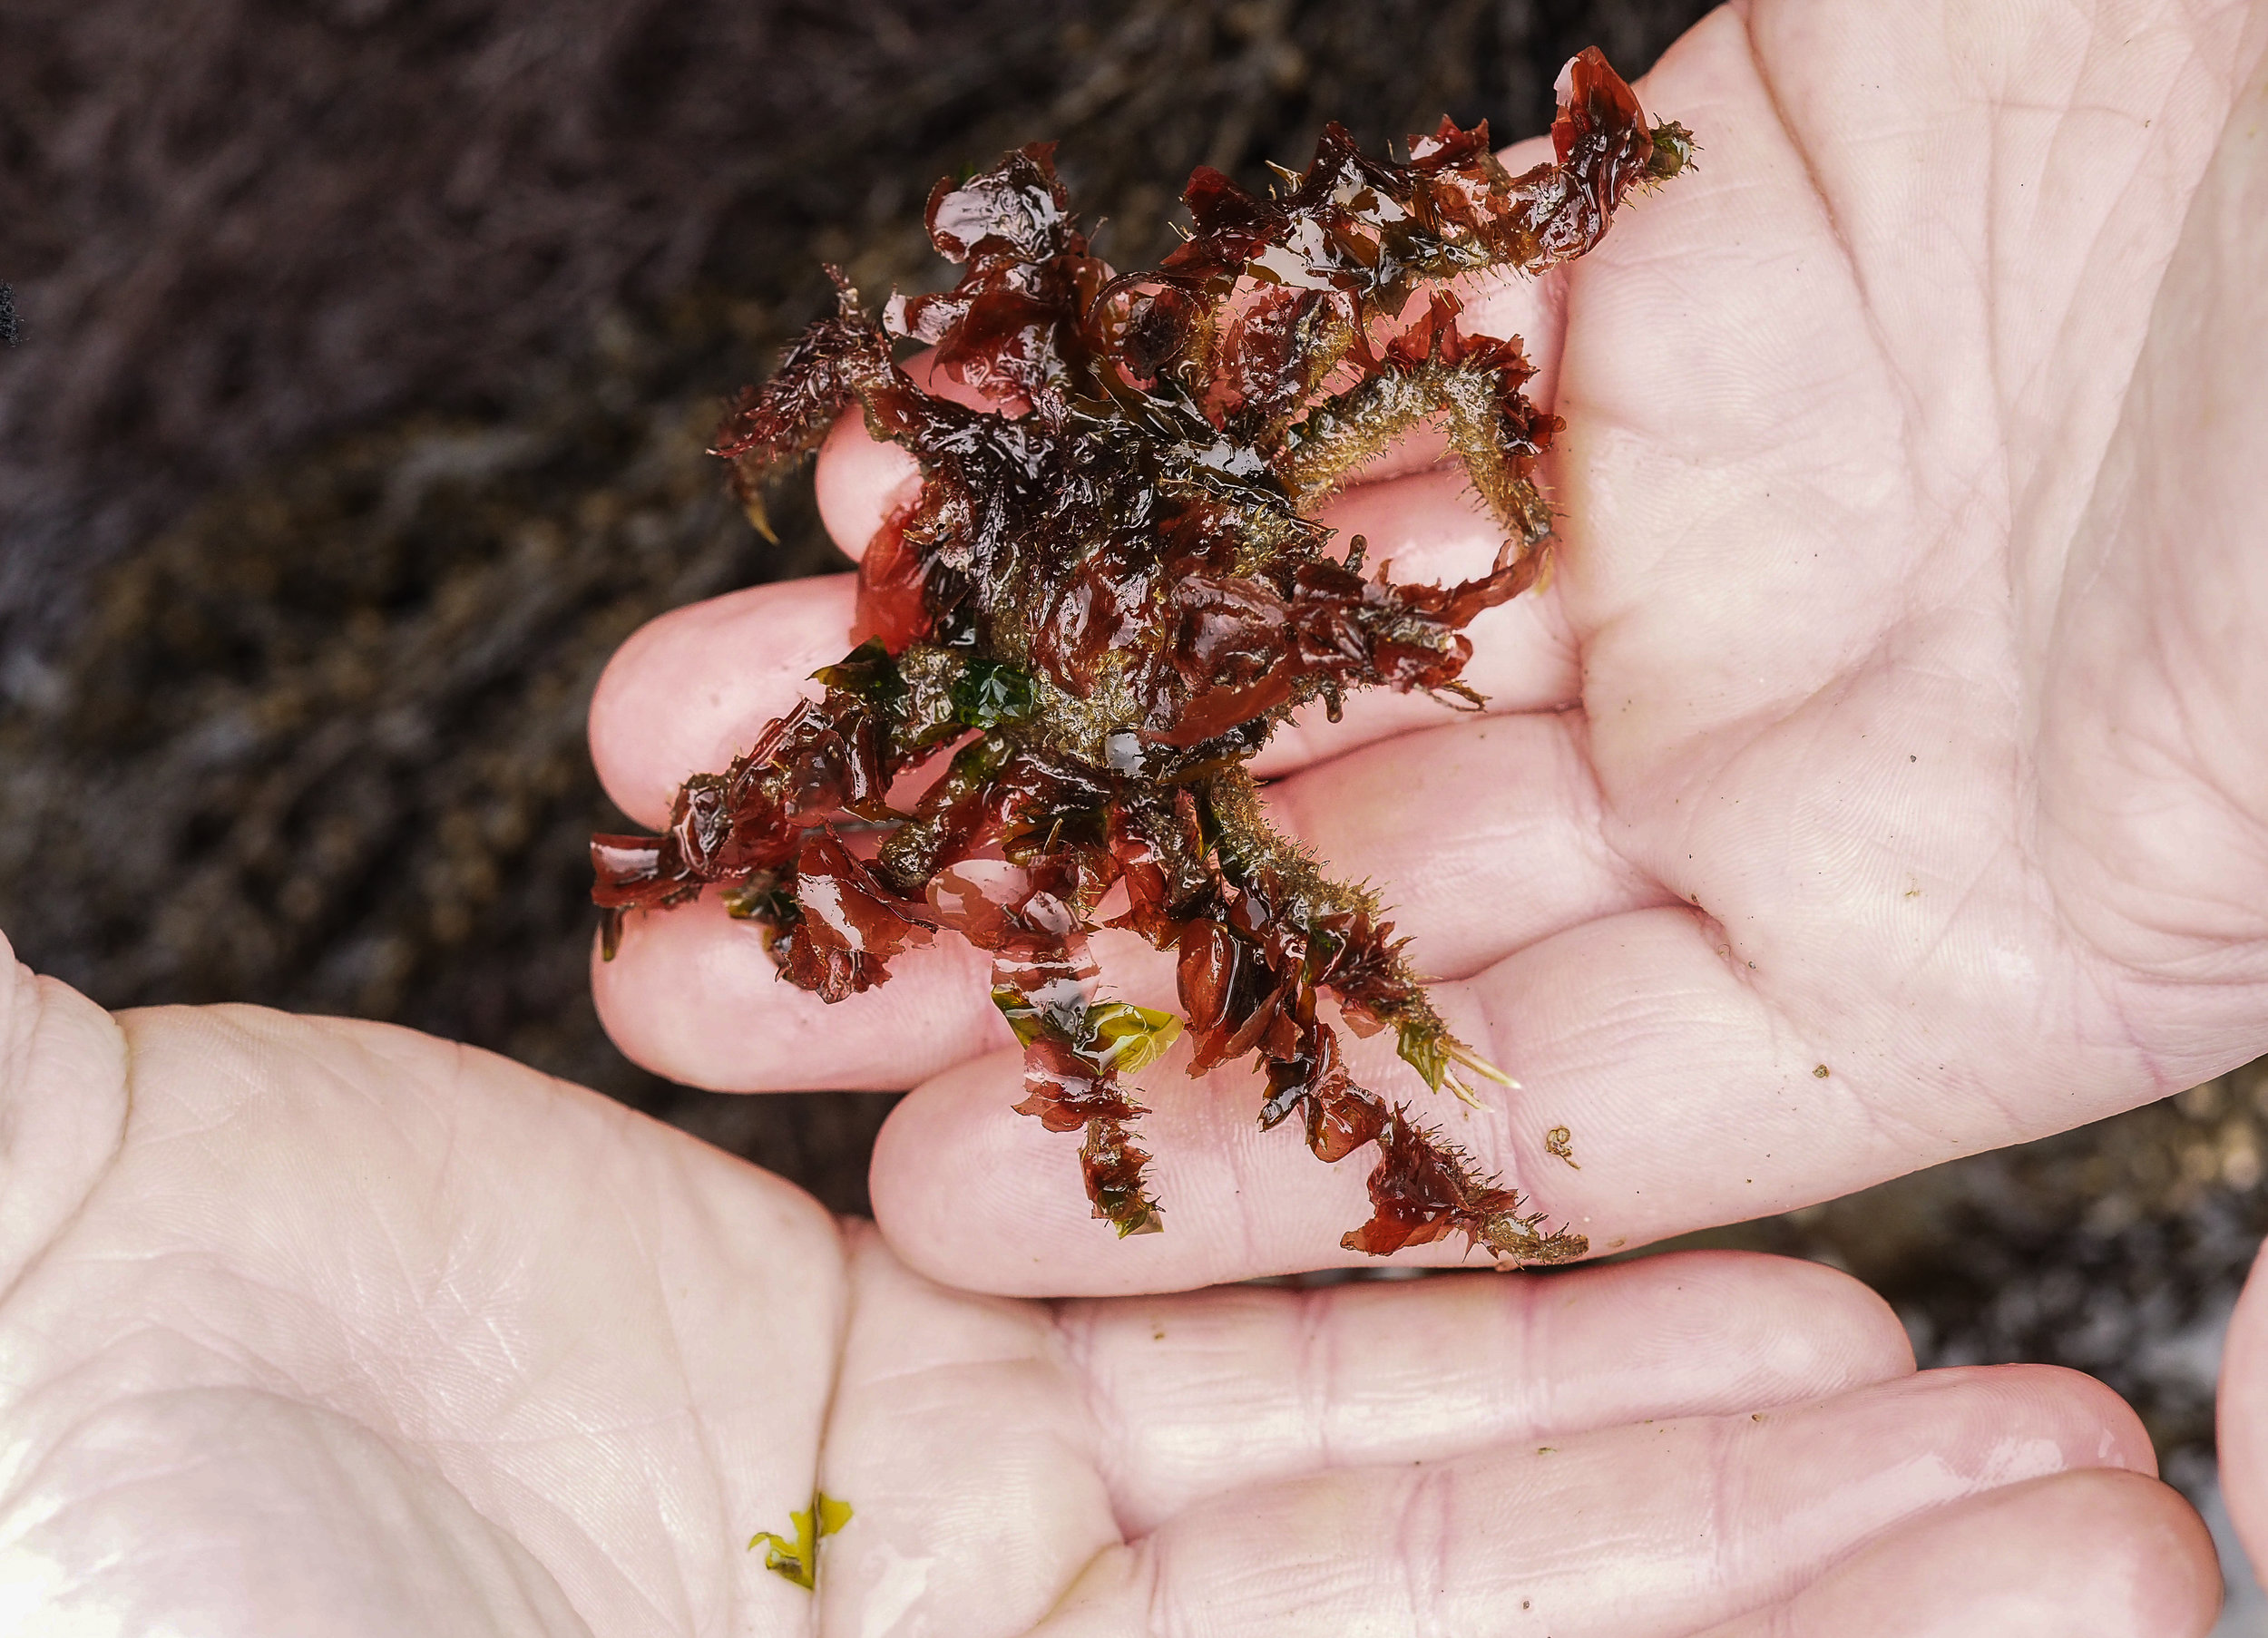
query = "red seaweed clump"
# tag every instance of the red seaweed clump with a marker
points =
(1109, 593)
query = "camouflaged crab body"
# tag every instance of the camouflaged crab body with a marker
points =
(1106, 597)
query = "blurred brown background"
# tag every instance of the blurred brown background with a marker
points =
(369, 347)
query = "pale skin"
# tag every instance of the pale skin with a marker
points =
(318, 1327)
(1879, 781)
(312, 1327)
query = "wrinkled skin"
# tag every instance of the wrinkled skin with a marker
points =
(322, 1327)
(1881, 779)
(315, 1327)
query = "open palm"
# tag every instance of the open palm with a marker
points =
(1879, 781)
(327, 1328)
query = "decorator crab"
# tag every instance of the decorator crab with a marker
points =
(1111, 592)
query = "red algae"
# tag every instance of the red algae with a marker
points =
(1111, 592)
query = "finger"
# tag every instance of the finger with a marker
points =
(695, 687)
(1470, 872)
(859, 483)
(861, 480)
(965, 1450)
(992, 1450)
(1482, 835)
(1694, 1095)
(2242, 1413)
(1654, 1528)
(967, 1190)
(1428, 528)
(693, 995)
(2094, 1554)
(1687, 1099)
(1199, 1394)
(63, 1106)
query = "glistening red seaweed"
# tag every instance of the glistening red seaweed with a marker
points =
(1107, 595)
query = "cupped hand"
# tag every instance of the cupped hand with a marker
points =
(1880, 780)
(311, 1327)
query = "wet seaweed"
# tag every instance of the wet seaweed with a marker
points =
(1108, 592)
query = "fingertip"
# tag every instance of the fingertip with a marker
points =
(968, 1197)
(65, 1066)
(629, 703)
(2172, 1580)
(860, 481)
(2122, 1442)
(2078, 1423)
(2095, 1554)
(1813, 1325)
(2242, 1414)
(973, 1194)
(693, 688)
(639, 992)
(693, 995)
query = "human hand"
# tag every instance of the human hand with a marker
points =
(315, 1327)
(1880, 780)
(2241, 1415)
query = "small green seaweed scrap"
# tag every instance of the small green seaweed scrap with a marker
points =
(798, 1560)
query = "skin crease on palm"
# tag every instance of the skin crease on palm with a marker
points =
(1879, 781)
(329, 1330)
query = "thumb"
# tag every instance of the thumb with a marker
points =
(63, 1107)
